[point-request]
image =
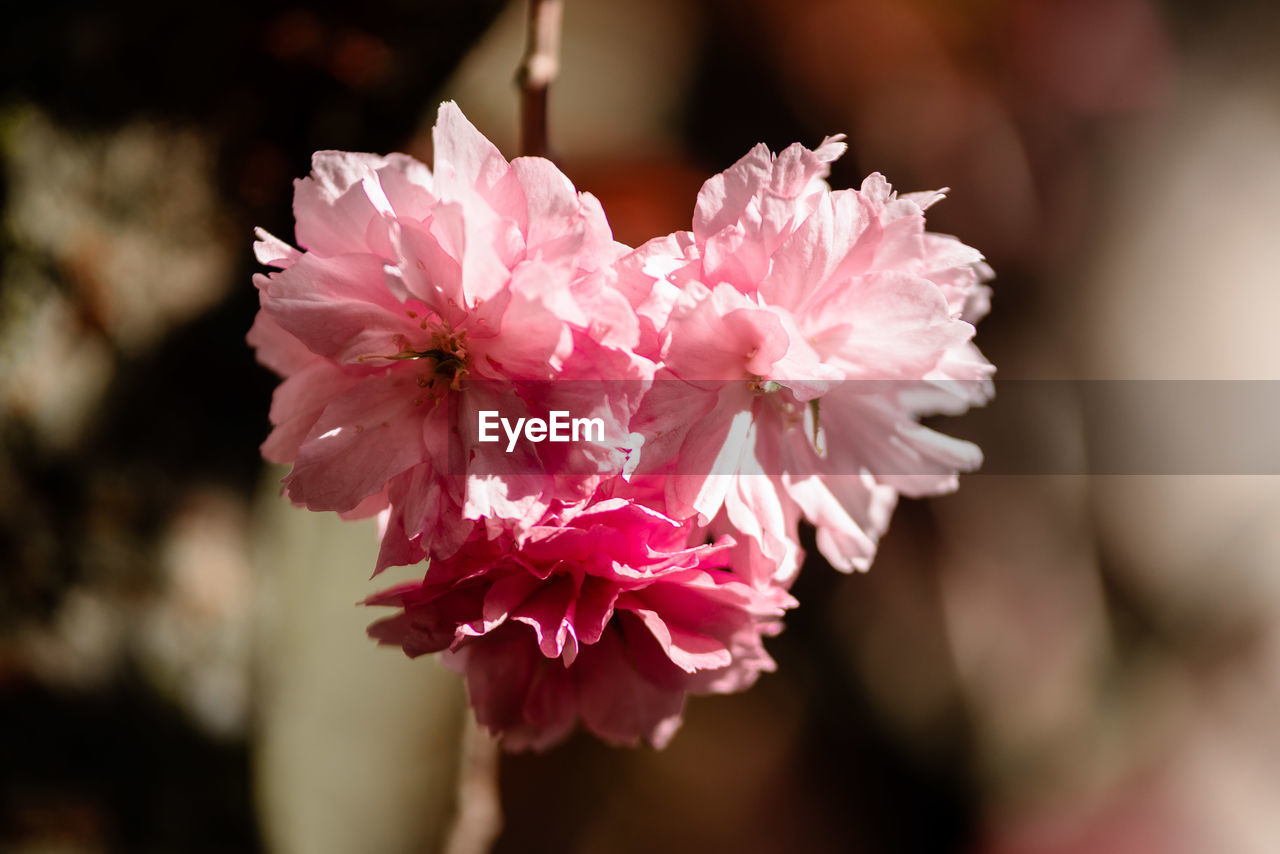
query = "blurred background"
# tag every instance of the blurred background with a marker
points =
(1039, 664)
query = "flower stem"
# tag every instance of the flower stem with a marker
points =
(538, 69)
(478, 819)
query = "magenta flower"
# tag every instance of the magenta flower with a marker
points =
(422, 297)
(808, 331)
(608, 616)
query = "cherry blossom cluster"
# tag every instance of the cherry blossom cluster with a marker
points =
(769, 366)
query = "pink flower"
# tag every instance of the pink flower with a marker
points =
(771, 365)
(806, 332)
(421, 297)
(609, 616)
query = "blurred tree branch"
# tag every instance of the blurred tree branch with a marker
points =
(538, 68)
(478, 819)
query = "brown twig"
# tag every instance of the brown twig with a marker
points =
(478, 818)
(539, 67)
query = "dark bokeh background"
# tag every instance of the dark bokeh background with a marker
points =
(1036, 664)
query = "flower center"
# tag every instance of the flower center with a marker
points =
(760, 385)
(448, 352)
(792, 410)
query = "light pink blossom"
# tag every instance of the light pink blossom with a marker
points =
(802, 334)
(420, 297)
(608, 615)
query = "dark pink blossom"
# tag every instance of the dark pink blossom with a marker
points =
(608, 616)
